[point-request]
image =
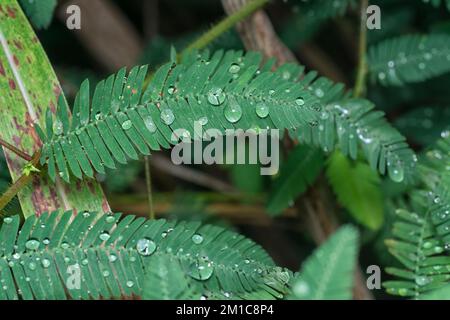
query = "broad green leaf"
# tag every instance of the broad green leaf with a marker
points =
(357, 188)
(28, 87)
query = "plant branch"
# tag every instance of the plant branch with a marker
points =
(19, 184)
(17, 151)
(360, 83)
(225, 25)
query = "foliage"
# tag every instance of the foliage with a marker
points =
(40, 12)
(328, 273)
(112, 255)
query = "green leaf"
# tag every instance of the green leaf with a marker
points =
(357, 188)
(409, 59)
(437, 3)
(328, 273)
(166, 280)
(112, 257)
(439, 294)
(28, 87)
(300, 171)
(40, 12)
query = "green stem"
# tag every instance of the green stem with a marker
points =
(19, 184)
(17, 151)
(225, 25)
(148, 180)
(360, 85)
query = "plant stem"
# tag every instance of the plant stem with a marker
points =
(225, 25)
(17, 151)
(19, 184)
(360, 85)
(148, 180)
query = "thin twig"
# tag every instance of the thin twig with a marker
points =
(18, 152)
(19, 184)
(148, 180)
(194, 176)
(225, 25)
(360, 84)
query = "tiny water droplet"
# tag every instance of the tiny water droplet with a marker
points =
(171, 90)
(203, 120)
(262, 110)
(301, 289)
(127, 125)
(110, 219)
(145, 246)
(7, 220)
(45, 263)
(149, 124)
(197, 239)
(396, 172)
(201, 269)
(233, 112)
(167, 116)
(58, 127)
(234, 68)
(130, 284)
(32, 244)
(216, 96)
(104, 236)
(299, 101)
(422, 280)
(112, 258)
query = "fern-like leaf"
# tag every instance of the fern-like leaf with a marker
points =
(300, 170)
(408, 59)
(328, 273)
(111, 256)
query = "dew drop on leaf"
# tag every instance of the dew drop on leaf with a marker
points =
(130, 284)
(167, 116)
(127, 125)
(104, 236)
(197, 238)
(149, 124)
(262, 110)
(396, 172)
(7, 220)
(45, 263)
(32, 244)
(233, 112)
(422, 280)
(234, 68)
(203, 120)
(201, 269)
(145, 246)
(301, 289)
(58, 127)
(216, 96)
(299, 101)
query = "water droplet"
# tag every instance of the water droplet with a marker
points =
(45, 263)
(422, 280)
(299, 101)
(396, 172)
(402, 291)
(110, 219)
(127, 125)
(112, 258)
(427, 245)
(203, 120)
(149, 124)
(171, 90)
(234, 68)
(7, 220)
(301, 289)
(233, 112)
(262, 110)
(32, 266)
(216, 96)
(422, 66)
(130, 284)
(197, 239)
(438, 249)
(381, 76)
(16, 256)
(58, 127)
(84, 262)
(104, 236)
(319, 93)
(32, 244)
(145, 246)
(167, 116)
(202, 269)
(105, 273)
